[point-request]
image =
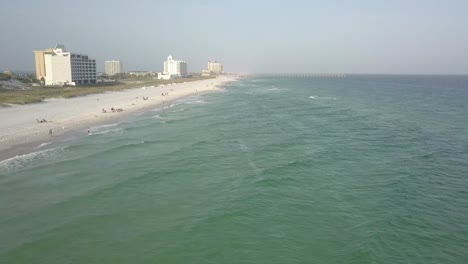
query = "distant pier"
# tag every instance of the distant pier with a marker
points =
(306, 75)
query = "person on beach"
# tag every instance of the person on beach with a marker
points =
(50, 132)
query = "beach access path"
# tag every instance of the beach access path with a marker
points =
(19, 124)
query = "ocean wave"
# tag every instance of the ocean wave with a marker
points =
(158, 117)
(115, 130)
(22, 161)
(105, 126)
(196, 102)
(178, 110)
(164, 107)
(43, 145)
(274, 88)
(321, 98)
(122, 148)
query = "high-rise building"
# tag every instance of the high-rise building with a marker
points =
(176, 68)
(83, 69)
(112, 67)
(39, 61)
(57, 67)
(215, 67)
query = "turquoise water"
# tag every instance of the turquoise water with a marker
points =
(364, 169)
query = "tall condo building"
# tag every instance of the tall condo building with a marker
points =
(39, 62)
(215, 67)
(176, 68)
(83, 69)
(56, 66)
(59, 67)
(112, 67)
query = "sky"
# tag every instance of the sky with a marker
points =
(333, 36)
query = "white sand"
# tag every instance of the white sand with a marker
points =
(18, 124)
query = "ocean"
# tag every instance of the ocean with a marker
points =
(362, 169)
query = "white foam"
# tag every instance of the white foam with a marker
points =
(43, 145)
(321, 98)
(178, 110)
(22, 161)
(105, 132)
(105, 126)
(164, 107)
(274, 88)
(157, 117)
(243, 147)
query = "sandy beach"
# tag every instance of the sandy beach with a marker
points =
(19, 124)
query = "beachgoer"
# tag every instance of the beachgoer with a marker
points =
(50, 132)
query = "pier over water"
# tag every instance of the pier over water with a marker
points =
(305, 75)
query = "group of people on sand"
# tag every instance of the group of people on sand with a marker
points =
(112, 109)
(145, 98)
(41, 120)
(164, 94)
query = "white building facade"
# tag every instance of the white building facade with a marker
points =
(215, 67)
(112, 67)
(83, 69)
(175, 68)
(58, 67)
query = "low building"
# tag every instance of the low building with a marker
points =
(175, 68)
(141, 73)
(205, 73)
(162, 76)
(112, 67)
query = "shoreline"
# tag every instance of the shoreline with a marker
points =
(21, 134)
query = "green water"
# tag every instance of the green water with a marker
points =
(364, 169)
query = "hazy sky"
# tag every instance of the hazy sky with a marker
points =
(368, 36)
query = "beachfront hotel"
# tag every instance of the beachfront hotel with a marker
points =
(56, 66)
(215, 67)
(175, 68)
(112, 67)
(39, 61)
(83, 69)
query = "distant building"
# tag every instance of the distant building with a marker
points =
(112, 67)
(57, 67)
(176, 68)
(215, 67)
(205, 73)
(141, 73)
(162, 76)
(83, 69)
